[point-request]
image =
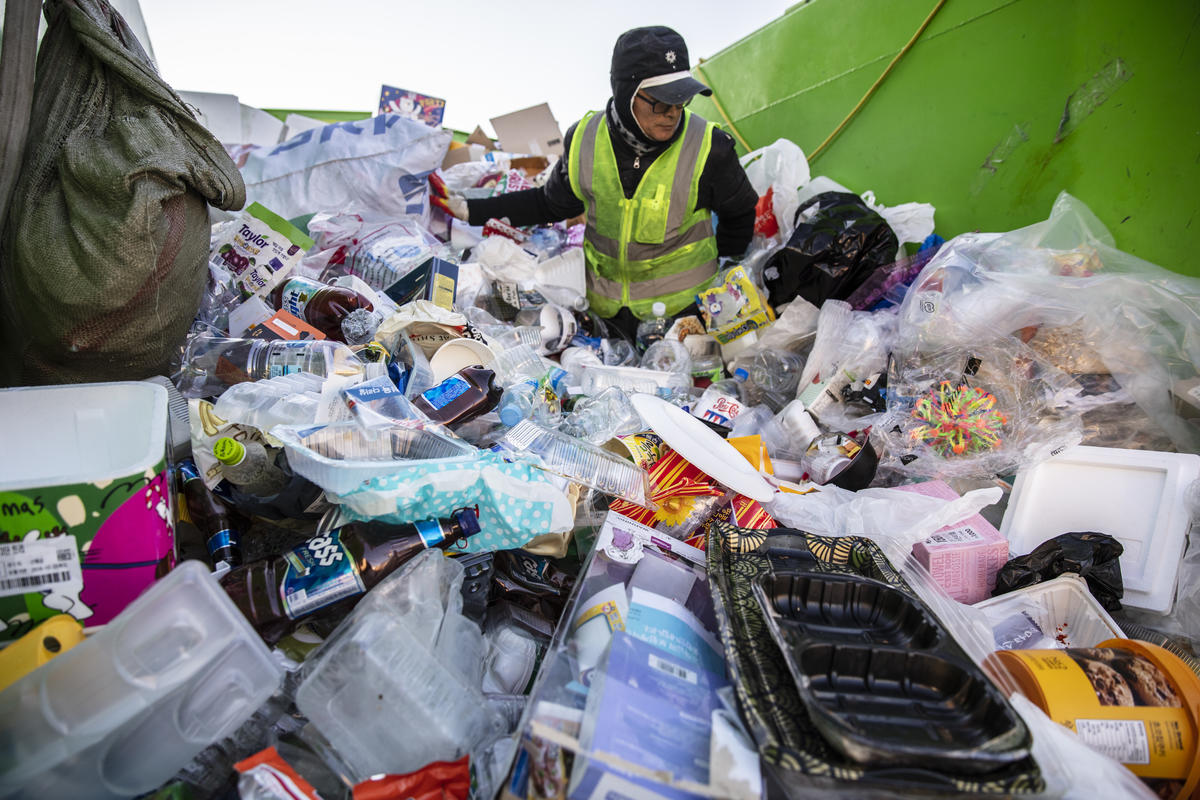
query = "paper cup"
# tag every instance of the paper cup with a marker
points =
(458, 353)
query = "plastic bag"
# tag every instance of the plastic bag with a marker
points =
(1140, 321)
(838, 241)
(1093, 556)
(381, 163)
(379, 251)
(779, 169)
(976, 408)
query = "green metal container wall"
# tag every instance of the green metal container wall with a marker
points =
(998, 107)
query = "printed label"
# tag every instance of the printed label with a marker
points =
(319, 572)
(964, 533)
(446, 392)
(508, 293)
(40, 565)
(674, 670)
(295, 297)
(1124, 740)
(719, 408)
(431, 532)
(222, 539)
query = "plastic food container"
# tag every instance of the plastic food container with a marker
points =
(1062, 609)
(1131, 700)
(1135, 496)
(86, 466)
(881, 678)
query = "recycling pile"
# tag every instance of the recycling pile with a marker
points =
(480, 542)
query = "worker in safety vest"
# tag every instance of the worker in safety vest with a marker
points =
(650, 176)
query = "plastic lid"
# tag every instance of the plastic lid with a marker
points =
(740, 374)
(467, 521)
(229, 451)
(659, 309)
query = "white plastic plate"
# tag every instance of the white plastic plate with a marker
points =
(1135, 496)
(702, 447)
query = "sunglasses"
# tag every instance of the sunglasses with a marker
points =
(661, 109)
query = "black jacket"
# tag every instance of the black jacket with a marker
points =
(724, 190)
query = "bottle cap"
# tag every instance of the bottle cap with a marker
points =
(229, 451)
(740, 374)
(659, 309)
(510, 415)
(467, 521)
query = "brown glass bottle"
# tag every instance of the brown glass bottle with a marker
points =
(319, 304)
(275, 594)
(209, 514)
(463, 396)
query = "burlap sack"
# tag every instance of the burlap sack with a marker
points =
(106, 239)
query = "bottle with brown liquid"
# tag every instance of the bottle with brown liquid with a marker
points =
(323, 306)
(463, 396)
(210, 515)
(275, 594)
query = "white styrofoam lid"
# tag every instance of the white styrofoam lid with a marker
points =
(1135, 496)
(80, 433)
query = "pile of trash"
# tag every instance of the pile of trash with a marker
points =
(410, 520)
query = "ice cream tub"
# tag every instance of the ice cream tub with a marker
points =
(1131, 700)
(86, 522)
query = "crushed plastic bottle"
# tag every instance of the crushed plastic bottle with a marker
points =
(212, 364)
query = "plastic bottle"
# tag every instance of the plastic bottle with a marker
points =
(776, 371)
(539, 400)
(275, 594)
(463, 396)
(221, 537)
(212, 364)
(653, 329)
(668, 355)
(248, 466)
(330, 309)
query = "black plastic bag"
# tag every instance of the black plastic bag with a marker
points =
(1093, 556)
(838, 243)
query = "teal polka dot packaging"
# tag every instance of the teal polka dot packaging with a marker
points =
(517, 501)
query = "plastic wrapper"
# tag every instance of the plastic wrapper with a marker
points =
(838, 242)
(379, 250)
(1141, 321)
(1092, 556)
(976, 408)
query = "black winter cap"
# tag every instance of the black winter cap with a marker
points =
(656, 52)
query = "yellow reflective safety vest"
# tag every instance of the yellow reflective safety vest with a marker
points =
(655, 246)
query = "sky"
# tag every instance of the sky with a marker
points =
(484, 59)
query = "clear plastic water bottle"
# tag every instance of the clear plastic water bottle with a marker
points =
(777, 371)
(538, 400)
(249, 466)
(212, 364)
(653, 329)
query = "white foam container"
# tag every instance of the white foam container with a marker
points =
(1063, 608)
(1135, 496)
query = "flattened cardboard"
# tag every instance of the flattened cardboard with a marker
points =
(531, 131)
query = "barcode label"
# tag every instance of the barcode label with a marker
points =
(41, 565)
(955, 536)
(674, 670)
(522, 435)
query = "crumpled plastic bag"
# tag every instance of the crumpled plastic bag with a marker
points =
(1140, 320)
(1095, 557)
(381, 163)
(837, 243)
(911, 222)
(781, 169)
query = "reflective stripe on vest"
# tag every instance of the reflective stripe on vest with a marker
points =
(655, 246)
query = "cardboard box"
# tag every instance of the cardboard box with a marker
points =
(964, 557)
(434, 280)
(532, 131)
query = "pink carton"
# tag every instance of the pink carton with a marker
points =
(965, 557)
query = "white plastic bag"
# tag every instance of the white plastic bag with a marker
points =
(782, 168)
(382, 163)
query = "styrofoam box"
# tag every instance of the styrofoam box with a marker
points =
(1135, 496)
(1063, 608)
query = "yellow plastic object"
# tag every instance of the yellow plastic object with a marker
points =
(54, 636)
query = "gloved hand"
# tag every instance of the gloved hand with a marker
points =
(441, 197)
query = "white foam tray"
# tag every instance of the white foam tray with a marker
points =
(1135, 496)
(1063, 608)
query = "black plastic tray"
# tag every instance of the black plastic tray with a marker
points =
(881, 678)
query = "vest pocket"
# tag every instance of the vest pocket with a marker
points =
(650, 222)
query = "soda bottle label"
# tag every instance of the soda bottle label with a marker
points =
(431, 532)
(295, 297)
(223, 539)
(446, 392)
(319, 572)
